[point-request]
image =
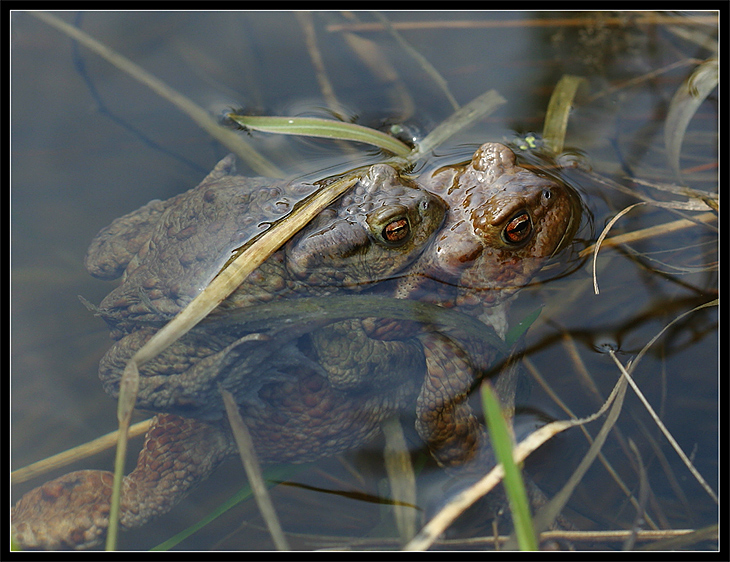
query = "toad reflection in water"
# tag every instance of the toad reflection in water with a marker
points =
(466, 237)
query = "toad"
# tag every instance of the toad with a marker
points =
(313, 390)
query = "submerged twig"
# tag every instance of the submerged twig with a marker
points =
(548, 513)
(683, 539)
(325, 86)
(420, 59)
(601, 457)
(640, 79)
(643, 498)
(672, 480)
(704, 199)
(669, 205)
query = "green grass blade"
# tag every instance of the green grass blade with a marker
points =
(513, 483)
(558, 111)
(479, 107)
(322, 128)
(519, 328)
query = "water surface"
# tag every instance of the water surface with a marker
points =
(90, 144)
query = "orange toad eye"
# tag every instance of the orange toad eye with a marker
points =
(518, 229)
(397, 231)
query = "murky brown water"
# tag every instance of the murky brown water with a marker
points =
(90, 144)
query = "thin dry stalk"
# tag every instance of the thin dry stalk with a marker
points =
(704, 199)
(569, 345)
(643, 78)
(621, 535)
(253, 471)
(660, 424)
(709, 533)
(601, 457)
(672, 480)
(700, 201)
(684, 537)
(690, 466)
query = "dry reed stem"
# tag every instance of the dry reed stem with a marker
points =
(641, 234)
(641, 79)
(74, 454)
(649, 19)
(689, 536)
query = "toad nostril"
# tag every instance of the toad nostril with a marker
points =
(469, 257)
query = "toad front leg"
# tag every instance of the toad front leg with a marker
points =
(445, 421)
(72, 512)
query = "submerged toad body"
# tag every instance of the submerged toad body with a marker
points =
(307, 391)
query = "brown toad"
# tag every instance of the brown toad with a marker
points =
(325, 388)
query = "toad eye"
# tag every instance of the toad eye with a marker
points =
(396, 232)
(390, 225)
(518, 229)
